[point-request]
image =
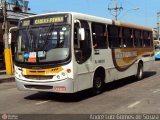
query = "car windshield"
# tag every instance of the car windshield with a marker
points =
(42, 44)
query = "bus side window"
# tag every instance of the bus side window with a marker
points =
(127, 37)
(114, 38)
(99, 35)
(82, 48)
(151, 38)
(138, 38)
(75, 38)
(147, 39)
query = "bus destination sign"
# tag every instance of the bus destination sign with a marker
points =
(39, 21)
(26, 23)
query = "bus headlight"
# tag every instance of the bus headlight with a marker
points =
(18, 72)
(64, 74)
(18, 75)
(58, 77)
(61, 75)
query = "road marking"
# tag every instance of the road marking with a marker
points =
(157, 76)
(157, 90)
(134, 104)
(12, 89)
(39, 103)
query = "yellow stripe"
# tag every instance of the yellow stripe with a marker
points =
(49, 71)
(125, 57)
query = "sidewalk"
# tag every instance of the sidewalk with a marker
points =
(6, 78)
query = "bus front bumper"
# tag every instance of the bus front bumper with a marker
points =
(62, 86)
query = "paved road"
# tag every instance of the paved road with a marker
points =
(124, 96)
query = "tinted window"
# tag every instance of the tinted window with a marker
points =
(147, 39)
(114, 36)
(138, 38)
(127, 37)
(82, 48)
(99, 35)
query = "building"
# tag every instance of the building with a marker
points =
(16, 9)
(155, 33)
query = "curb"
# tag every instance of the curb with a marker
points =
(8, 79)
(2, 72)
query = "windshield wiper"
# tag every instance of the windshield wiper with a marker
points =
(28, 37)
(51, 27)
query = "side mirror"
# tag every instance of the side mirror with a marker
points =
(9, 38)
(82, 33)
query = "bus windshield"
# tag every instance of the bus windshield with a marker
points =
(43, 44)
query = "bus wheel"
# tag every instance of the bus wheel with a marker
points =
(139, 75)
(98, 85)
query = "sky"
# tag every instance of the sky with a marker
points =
(146, 15)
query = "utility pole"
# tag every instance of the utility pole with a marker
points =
(115, 8)
(158, 25)
(5, 24)
(7, 47)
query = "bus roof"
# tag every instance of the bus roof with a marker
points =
(128, 25)
(76, 15)
(97, 19)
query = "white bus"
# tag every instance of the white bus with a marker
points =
(69, 52)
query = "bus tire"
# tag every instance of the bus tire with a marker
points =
(98, 84)
(139, 75)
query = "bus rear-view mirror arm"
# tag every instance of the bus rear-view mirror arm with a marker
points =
(10, 34)
(81, 31)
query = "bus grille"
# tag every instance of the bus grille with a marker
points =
(38, 87)
(37, 77)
